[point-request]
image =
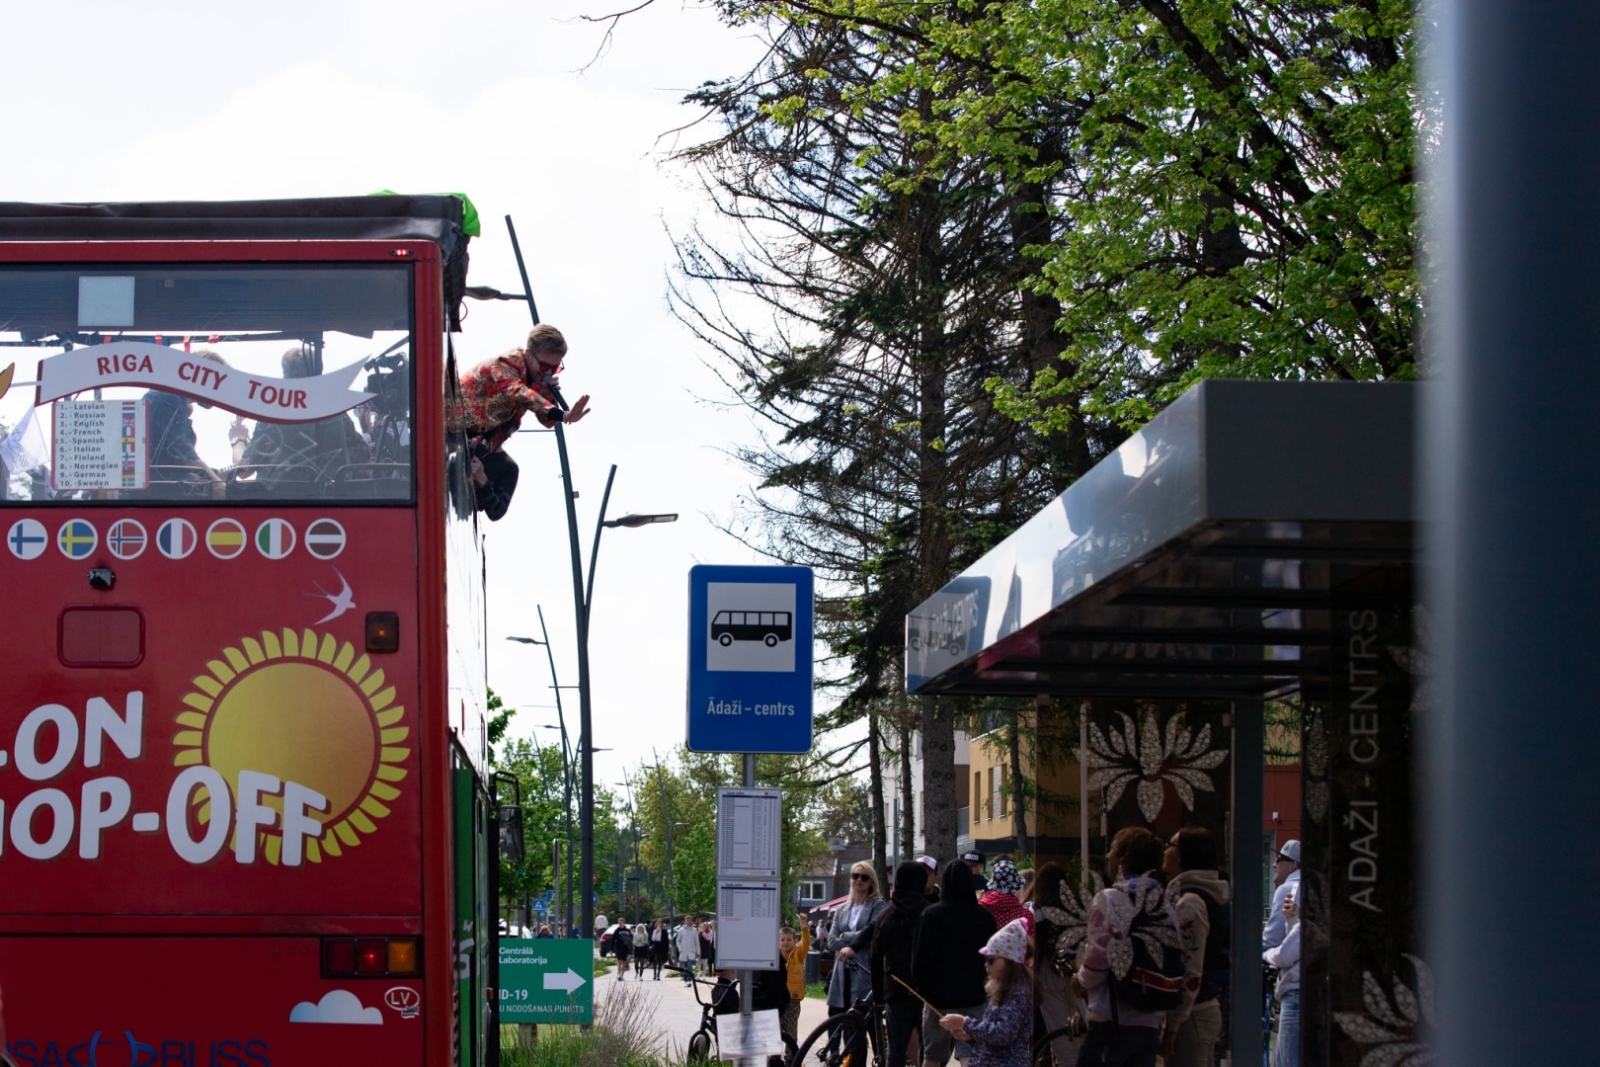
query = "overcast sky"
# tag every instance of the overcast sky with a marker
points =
(164, 100)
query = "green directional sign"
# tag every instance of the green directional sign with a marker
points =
(546, 980)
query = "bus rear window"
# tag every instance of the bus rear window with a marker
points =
(285, 384)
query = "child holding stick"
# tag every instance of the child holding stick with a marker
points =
(1000, 1038)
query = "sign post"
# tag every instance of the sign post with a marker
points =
(546, 980)
(750, 633)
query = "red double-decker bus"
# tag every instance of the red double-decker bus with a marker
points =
(242, 808)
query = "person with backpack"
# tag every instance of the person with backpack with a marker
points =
(622, 948)
(1201, 900)
(1053, 971)
(1132, 984)
(892, 948)
(946, 967)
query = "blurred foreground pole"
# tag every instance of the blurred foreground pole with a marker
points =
(1512, 476)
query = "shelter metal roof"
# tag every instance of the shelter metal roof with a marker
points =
(1201, 559)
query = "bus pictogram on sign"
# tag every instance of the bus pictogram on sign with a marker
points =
(768, 627)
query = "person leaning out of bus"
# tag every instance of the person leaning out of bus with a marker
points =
(501, 390)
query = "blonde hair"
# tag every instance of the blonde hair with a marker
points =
(546, 338)
(871, 894)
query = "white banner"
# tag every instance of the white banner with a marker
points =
(257, 396)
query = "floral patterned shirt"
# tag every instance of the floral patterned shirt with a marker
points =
(496, 392)
(1002, 1037)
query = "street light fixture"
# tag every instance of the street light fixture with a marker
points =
(566, 757)
(634, 521)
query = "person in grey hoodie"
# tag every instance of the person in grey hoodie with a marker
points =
(1286, 958)
(1201, 899)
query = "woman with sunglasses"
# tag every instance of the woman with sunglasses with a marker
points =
(850, 939)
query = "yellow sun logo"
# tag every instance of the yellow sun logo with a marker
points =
(303, 708)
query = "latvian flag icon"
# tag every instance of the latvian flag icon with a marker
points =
(275, 538)
(176, 538)
(225, 538)
(325, 538)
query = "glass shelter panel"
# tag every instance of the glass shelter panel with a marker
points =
(280, 384)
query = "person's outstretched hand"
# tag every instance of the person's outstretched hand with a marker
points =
(579, 410)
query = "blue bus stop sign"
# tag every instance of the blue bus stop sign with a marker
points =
(750, 659)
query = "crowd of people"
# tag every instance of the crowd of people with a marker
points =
(978, 962)
(979, 965)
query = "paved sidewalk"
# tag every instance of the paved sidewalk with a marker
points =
(673, 1006)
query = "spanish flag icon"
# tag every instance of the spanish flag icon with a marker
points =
(225, 538)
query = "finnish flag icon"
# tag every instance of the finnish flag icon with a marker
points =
(27, 539)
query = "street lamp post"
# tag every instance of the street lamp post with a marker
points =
(566, 757)
(581, 593)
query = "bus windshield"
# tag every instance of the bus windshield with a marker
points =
(202, 383)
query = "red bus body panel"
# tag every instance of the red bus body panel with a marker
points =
(119, 950)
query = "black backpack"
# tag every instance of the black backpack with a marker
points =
(1146, 950)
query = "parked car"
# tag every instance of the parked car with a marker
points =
(605, 940)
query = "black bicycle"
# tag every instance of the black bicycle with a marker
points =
(844, 1040)
(1044, 1048)
(704, 1040)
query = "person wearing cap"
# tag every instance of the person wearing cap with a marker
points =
(932, 889)
(974, 860)
(1286, 876)
(1001, 899)
(1000, 1038)
(1286, 991)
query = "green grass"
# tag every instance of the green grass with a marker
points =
(624, 1035)
(817, 990)
(603, 965)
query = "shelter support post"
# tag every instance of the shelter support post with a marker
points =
(1513, 501)
(1245, 860)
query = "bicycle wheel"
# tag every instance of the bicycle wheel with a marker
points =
(839, 1042)
(1044, 1049)
(699, 1050)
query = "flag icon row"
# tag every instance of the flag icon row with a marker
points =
(225, 538)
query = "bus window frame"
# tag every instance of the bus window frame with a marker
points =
(246, 254)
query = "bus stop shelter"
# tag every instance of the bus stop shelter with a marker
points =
(1254, 542)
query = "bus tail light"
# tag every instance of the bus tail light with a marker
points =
(383, 631)
(402, 956)
(371, 957)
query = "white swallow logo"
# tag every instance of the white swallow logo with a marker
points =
(341, 601)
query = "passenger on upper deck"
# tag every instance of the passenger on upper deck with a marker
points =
(172, 445)
(499, 390)
(304, 452)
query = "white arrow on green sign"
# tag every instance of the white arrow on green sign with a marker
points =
(565, 982)
(546, 980)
